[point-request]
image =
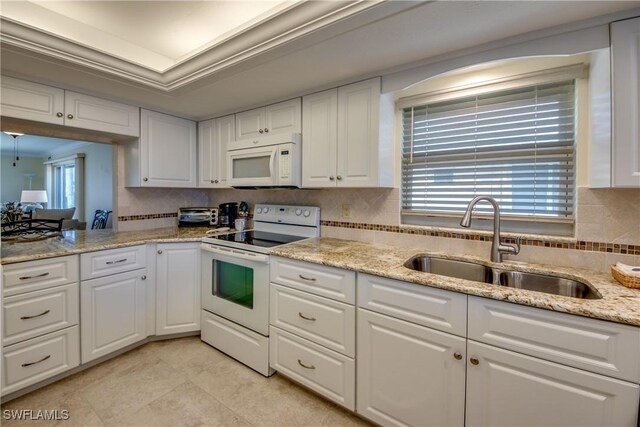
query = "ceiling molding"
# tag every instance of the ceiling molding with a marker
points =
(287, 26)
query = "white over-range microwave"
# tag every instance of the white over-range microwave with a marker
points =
(272, 163)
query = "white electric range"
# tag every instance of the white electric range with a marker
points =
(235, 281)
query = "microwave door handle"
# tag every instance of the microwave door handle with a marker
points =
(275, 177)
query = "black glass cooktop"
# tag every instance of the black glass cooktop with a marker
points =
(258, 238)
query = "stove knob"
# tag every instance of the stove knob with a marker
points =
(265, 210)
(298, 212)
(259, 210)
(307, 213)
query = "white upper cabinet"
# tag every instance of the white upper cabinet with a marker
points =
(32, 101)
(348, 137)
(88, 112)
(625, 86)
(167, 152)
(284, 117)
(320, 139)
(213, 138)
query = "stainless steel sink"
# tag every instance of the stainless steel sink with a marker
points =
(451, 268)
(548, 284)
(513, 279)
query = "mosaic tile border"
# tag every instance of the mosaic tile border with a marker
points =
(579, 245)
(148, 216)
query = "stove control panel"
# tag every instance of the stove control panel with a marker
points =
(283, 214)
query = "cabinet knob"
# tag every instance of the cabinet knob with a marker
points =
(457, 355)
(216, 181)
(59, 114)
(159, 252)
(212, 181)
(331, 178)
(69, 116)
(260, 130)
(145, 179)
(266, 130)
(144, 277)
(339, 177)
(474, 361)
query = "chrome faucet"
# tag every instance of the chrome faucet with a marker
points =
(497, 248)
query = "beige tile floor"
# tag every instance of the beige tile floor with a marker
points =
(180, 382)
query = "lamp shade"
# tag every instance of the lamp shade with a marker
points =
(33, 196)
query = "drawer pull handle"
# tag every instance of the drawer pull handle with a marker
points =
(34, 277)
(118, 261)
(305, 366)
(34, 316)
(24, 365)
(313, 319)
(311, 279)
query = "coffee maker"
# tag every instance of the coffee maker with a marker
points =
(227, 214)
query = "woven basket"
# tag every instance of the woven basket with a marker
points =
(625, 279)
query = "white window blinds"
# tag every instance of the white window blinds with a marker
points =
(514, 145)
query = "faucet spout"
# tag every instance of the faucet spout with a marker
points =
(497, 248)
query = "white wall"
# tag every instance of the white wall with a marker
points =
(13, 179)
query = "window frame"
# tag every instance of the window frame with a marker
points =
(52, 186)
(528, 224)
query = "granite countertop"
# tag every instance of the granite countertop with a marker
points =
(79, 241)
(618, 303)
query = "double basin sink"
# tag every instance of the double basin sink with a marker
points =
(509, 278)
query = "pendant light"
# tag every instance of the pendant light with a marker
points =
(16, 155)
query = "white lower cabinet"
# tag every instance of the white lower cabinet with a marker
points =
(312, 327)
(112, 313)
(37, 359)
(510, 389)
(329, 373)
(177, 288)
(409, 374)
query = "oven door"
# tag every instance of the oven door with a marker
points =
(253, 167)
(235, 285)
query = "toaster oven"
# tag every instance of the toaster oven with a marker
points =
(197, 217)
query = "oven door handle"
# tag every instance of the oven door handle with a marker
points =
(250, 256)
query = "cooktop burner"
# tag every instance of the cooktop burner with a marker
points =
(261, 239)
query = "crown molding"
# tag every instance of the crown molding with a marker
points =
(304, 20)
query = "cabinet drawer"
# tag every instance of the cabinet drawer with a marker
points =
(33, 275)
(40, 358)
(594, 345)
(435, 308)
(329, 373)
(329, 282)
(103, 263)
(37, 313)
(321, 320)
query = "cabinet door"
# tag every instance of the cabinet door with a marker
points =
(408, 374)
(214, 137)
(250, 124)
(320, 139)
(509, 389)
(625, 80)
(88, 112)
(358, 121)
(167, 151)
(177, 288)
(31, 101)
(112, 313)
(284, 117)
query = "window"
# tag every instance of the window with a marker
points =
(65, 183)
(64, 187)
(515, 144)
